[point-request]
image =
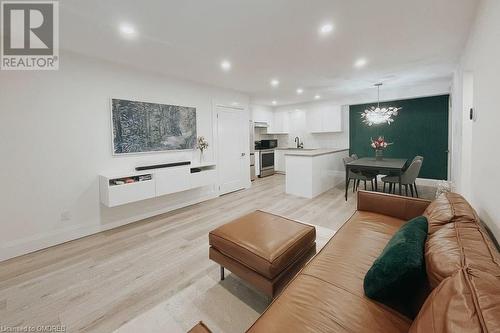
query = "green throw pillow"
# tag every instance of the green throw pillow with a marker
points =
(399, 272)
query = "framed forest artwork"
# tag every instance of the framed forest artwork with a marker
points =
(141, 127)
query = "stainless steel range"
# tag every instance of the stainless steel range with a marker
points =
(266, 149)
(266, 162)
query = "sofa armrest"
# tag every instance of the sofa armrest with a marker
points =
(404, 208)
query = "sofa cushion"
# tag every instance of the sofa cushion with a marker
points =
(352, 251)
(449, 207)
(327, 295)
(467, 301)
(404, 208)
(310, 305)
(439, 212)
(399, 271)
(346, 258)
(455, 239)
(264, 242)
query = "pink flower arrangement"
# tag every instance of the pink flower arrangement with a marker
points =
(380, 143)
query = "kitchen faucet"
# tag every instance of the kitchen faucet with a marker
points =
(299, 144)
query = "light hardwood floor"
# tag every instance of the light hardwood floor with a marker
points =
(154, 275)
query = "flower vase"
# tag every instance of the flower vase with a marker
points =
(379, 154)
(201, 156)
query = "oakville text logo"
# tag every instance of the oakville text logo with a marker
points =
(30, 35)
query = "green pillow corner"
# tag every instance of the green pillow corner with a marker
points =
(398, 273)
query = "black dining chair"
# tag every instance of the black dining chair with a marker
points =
(368, 174)
(358, 176)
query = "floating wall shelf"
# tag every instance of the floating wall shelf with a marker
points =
(124, 188)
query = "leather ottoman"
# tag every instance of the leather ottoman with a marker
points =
(200, 328)
(263, 249)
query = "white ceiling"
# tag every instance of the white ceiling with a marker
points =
(406, 42)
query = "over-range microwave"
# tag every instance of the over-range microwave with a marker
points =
(266, 144)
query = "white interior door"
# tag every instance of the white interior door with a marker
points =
(233, 162)
(467, 134)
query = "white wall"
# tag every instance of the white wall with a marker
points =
(479, 161)
(56, 138)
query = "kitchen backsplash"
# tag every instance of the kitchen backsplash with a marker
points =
(261, 134)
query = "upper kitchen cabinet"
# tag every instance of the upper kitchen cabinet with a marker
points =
(327, 119)
(280, 123)
(262, 114)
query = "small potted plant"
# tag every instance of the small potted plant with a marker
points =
(379, 145)
(201, 144)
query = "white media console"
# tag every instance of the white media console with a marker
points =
(154, 183)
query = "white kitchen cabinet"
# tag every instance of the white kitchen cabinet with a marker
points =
(314, 120)
(262, 115)
(308, 174)
(325, 119)
(332, 119)
(279, 160)
(280, 123)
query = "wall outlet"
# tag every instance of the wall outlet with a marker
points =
(65, 216)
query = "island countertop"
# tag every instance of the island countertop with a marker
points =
(312, 152)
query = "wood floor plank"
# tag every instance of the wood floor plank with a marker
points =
(100, 282)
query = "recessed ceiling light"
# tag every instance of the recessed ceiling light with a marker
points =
(300, 91)
(225, 65)
(360, 63)
(127, 30)
(317, 97)
(325, 29)
(275, 82)
(274, 102)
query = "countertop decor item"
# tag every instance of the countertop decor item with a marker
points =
(379, 145)
(377, 115)
(201, 144)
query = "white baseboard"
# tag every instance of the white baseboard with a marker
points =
(42, 241)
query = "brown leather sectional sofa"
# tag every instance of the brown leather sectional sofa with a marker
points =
(463, 268)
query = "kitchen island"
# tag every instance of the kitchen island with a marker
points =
(310, 172)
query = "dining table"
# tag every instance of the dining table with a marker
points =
(384, 166)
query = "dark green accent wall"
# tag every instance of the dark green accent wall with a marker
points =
(421, 128)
